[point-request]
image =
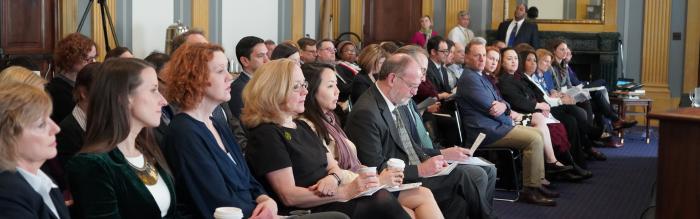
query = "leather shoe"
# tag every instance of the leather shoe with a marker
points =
(533, 196)
(614, 143)
(547, 192)
(596, 155)
(553, 168)
(569, 177)
(623, 124)
(585, 174)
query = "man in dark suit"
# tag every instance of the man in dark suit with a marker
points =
(519, 30)
(251, 54)
(376, 128)
(437, 72)
(484, 111)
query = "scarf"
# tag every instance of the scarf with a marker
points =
(346, 158)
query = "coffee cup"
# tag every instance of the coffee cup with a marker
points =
(367, 170)
(396, 164)
(228, 213)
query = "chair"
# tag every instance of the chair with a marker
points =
(508, 161)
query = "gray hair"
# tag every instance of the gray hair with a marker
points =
(475, 41)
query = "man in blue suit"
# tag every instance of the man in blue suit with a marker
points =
(484, 111)
(519, 30)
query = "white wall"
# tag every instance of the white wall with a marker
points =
(548, 9)
(150, 19)
(247, 18)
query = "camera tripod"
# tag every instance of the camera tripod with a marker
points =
(103, 11)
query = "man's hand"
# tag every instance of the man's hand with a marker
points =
(434, 108)
(431, 166)
(497, 108)
(443, 95)
(566, 99)
(266, 208)
(456, 153)
(391, 177)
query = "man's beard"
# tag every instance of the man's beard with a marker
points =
(395, 93)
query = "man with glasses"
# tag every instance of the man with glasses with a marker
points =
(308, 51)
(376, 127)
(437, 72)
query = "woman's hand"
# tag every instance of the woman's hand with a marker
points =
(366, 180)
(266, 208)
(391, 177)
(327, 186)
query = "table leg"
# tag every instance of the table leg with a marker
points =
(646, 120)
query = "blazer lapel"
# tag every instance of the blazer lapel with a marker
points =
(386, 114)
(58, 202)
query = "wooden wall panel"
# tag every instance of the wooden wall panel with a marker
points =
(427, 9)
(655, 50)
(452, 8)
(692, 46)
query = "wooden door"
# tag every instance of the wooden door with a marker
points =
(28, 28)
(391, 20)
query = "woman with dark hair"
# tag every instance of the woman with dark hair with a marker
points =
(120, 172)
(286, 50)
(289, 159)
(371, 59)
(318, 114)
(119, 52)
(72, 54)
(420, 38)
(347, 52)
(27, 139)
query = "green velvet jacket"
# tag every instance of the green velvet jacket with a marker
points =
(104, 186)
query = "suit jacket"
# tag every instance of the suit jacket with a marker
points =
(19, 200)
(440, 84)
(527, 33)
(345, 77)
(61, 92)
(104, 185)
(371, 127)
(360, 83)
(519, 93)
(474, 95)
(236, 102)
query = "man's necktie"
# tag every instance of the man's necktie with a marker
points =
(406, 142)
(511, 38)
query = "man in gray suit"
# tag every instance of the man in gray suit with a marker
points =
(376, 128)
(484, 111)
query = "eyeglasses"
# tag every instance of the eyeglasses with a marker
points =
(411, 86)
(299, 85)
(445, 51)
(90, 59)
(330, 49)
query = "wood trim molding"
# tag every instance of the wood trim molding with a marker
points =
(200, 15)
(452, 8)
(356, 18)
(297, 19)
(428, 9)
(69, 18)
(609, 25)
(655, 51)
(692, 46)
(97, 34)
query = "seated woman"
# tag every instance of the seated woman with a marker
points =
(22, 75)
(289, 159)
(318, 114)
(120, 172)
(119, 52)
(523, 100)
(370, 60)
(27, 140)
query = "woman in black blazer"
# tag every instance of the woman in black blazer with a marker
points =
(120, 171)
(370, 60)
(27, 140)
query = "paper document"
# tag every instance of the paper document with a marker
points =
(478, 161)
(445, 171)
(402, 187)
(477, 142)
(423, 105)
(367, 192)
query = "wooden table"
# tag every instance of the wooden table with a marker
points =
(678, 176)
(623, 103)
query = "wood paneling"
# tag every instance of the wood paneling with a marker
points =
(609, 25)
(692, 47)
(200, 15)
(28, 27)
(426, 9)
(655, 50)
(97, 33)
(395, 20)
(297, 19)
(452, 8)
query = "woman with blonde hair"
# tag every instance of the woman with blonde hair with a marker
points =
(370, 60)
(289, 159)
(27, 139)
(22, 75)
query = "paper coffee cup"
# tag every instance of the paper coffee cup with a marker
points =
(367, 170)
(228, 213)
(397, 164)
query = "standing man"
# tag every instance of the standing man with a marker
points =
(251, 53)
(461, 33)
(519, 30)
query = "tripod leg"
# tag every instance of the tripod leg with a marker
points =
(111, 26)
(85, 13)
(104, 26)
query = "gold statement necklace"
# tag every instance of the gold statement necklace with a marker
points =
(147, 174)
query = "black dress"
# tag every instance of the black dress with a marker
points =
(272, 147)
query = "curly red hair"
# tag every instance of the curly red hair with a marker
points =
(72, 50)
(186, 74)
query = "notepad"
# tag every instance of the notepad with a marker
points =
(478, 161)
(445, 171)
(402, 187)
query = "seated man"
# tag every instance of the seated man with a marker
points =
(376, 128)
(484, 111)
(410, 115)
